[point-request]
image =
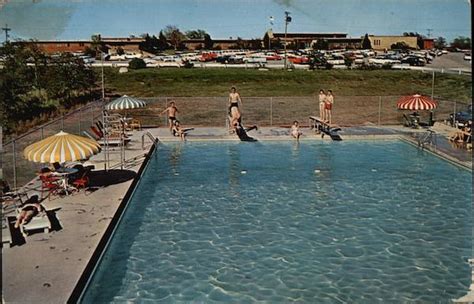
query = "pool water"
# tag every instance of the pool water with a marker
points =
(320, 222)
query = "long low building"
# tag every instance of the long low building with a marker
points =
(380, 43)
(301, 40)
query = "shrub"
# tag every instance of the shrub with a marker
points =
(137, 63)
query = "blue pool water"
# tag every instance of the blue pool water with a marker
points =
(318, 222)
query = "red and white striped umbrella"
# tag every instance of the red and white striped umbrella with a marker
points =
(416, 102)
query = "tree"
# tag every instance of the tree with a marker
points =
(255, 44)
(163, 42)
(400, 46)
(196, 34)
(32, 82)
(174, 35)
(321, 44)
(440, 43)
(419, 38)
(97, 45)
(461, 42)
(120, 51)
(208, 42)
(366, 44)
(137, 63)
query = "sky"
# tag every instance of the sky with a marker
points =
(79, 19)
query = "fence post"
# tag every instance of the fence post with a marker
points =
(380, 108)
(271, 111)
(166, 116)
(454, 115)
(80, 118)
(432, 85)
(14, 165)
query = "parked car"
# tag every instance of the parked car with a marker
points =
(463, 116)
(414, 61)
(467, 56)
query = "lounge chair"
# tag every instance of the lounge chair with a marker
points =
(40, 221)
(111, 141)
(6, 232)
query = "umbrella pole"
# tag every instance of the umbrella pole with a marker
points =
(104, 123)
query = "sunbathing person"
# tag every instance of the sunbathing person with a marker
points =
(28, 211)
(295, 130)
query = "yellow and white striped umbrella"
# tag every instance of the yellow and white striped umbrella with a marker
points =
(61, 147)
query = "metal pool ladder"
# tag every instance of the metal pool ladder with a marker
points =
(427, 138)
(153, 139)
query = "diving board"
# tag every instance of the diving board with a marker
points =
(325, 128)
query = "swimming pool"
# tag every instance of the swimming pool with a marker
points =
(330, 222)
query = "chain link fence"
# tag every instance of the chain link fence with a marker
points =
(18, 171)
(213, 111)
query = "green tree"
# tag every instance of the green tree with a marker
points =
(366, 44)
(196, 34)
(440, 43)
(208, 42)
(137, 63)
(419, 38)
(400, 46)
(98, 45)
(174, 35)
(461, 42)
(321, 44)
(120, 51)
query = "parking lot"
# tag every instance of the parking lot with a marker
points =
(451, 61)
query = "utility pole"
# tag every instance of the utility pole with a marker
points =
(6, 29)
(270, 31)
(429, 32)
(287, 20)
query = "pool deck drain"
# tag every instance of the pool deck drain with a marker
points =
(47, 267)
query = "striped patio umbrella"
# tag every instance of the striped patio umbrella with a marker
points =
(124, 103)
(60, 148)
(416, 102)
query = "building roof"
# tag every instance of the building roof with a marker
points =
(344, 39)
(309, 35)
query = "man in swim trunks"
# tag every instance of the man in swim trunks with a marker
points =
(234, 110)
(328, 103)
(171, 110)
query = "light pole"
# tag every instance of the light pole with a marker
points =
(102, 72)
(287, 20)
(269, 38)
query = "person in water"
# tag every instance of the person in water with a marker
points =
(295, 130)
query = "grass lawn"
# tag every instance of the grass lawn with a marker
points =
(252, 82)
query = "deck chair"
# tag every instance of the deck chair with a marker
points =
(83, 180)
(135, 124)
(38, 222)
(6, 233)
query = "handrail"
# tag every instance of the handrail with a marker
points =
(428, 138)
(150, 136)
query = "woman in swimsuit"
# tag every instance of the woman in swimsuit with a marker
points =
(28, 211)
(322, 98)
(234, 111)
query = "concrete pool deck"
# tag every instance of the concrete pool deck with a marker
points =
(47, 267)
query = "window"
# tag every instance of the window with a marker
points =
(68, 45)
(81, 44)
